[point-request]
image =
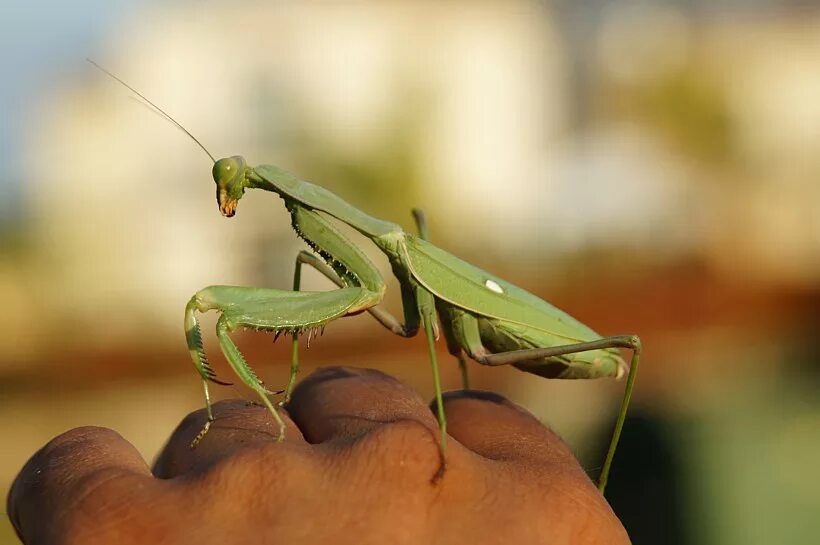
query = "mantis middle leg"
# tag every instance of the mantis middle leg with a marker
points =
(390, 322)
(452, 346)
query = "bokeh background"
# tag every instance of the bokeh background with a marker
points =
(649, 166)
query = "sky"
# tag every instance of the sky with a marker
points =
(42, 42)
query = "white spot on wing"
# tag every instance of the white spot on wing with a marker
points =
(493, 286)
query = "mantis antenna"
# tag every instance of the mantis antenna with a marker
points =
(154, 106)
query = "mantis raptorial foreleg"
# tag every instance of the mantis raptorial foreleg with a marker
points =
(244, 371)
(263, 309)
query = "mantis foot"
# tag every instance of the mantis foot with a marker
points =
(442, 467)
(201, 435)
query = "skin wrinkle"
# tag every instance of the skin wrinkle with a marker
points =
(563, 491)
(75, 516)
(90, 521)
(409, 438)
(487, 499)
(365, 451)
(220, 487)
(490, 480)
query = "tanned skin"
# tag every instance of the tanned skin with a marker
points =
(360, 465)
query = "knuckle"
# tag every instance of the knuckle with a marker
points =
(69, 442)
(403, 447)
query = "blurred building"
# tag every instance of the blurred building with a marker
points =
(455, 115)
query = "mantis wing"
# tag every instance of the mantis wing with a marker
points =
(473, 289)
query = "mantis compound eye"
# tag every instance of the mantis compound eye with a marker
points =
(225, 170)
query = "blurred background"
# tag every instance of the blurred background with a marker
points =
(649, 166)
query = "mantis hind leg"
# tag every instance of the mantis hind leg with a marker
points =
(631, 342)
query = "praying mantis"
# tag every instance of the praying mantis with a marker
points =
(482, 317)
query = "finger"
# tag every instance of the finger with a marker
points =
(494, 427)
(61, 473)
(345, 403)
(237, 425)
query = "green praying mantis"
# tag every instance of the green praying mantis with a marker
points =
(482, 316)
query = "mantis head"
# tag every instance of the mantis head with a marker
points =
(230, 177)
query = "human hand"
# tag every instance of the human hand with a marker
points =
(357, 466)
